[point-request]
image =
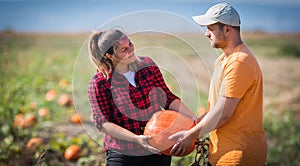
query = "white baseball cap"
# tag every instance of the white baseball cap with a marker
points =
(222, 12)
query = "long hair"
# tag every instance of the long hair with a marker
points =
(104, 42)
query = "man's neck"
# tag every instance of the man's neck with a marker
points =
(230, 47)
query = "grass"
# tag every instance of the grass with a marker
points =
(32, 64)
(274, 46)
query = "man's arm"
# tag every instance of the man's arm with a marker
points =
(219, 115)
(178, 106)
(214, 119)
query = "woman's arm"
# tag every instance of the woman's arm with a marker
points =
(99, 96)
(118, 132)
(124, 134)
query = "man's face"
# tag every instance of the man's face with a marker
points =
(215, 34)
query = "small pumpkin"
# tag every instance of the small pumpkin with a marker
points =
(19, 120)
(72, 152)
(32, 105)
(65, 100)
(29, 120)
(76, 118)
(43, 112)
(23, 121)
(50, 95)
(33, 143)
(162, 125)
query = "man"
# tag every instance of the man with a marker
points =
(235, 100)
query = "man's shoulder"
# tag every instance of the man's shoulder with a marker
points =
(244, 55)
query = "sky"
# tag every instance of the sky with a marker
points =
(73, 16)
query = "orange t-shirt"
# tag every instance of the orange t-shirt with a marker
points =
(241, 140)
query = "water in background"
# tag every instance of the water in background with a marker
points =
(83, 16)
(270, 18)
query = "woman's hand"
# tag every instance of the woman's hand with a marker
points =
(142, 140)
(124, 134)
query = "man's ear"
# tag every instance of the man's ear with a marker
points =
(227, 28)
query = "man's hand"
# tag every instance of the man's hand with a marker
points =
(184, 140)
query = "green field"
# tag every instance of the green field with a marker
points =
(33, 64)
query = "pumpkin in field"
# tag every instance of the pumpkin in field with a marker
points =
(76, 118)
(19, 120)
(33, 143)
(162, 125)
(72, 152)
(27, 120)
(43, 112)
(32, 105)
(65, 100)
(50, 95)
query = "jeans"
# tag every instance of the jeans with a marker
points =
(118, 159)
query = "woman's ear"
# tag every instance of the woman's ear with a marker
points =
(108, 55)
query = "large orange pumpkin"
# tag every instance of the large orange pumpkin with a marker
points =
(162, 125)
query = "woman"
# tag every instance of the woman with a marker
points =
(124, 93)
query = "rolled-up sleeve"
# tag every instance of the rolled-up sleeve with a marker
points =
(99, 101)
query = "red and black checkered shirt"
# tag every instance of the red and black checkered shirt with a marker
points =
(116, 100)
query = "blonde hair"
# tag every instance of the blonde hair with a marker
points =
(104, 42)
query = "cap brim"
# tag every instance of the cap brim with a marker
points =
(203, 20)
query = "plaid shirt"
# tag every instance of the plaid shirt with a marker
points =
(116, 100)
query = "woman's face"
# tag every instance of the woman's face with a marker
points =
(124, 52)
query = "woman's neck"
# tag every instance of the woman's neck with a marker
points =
(122, 68)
